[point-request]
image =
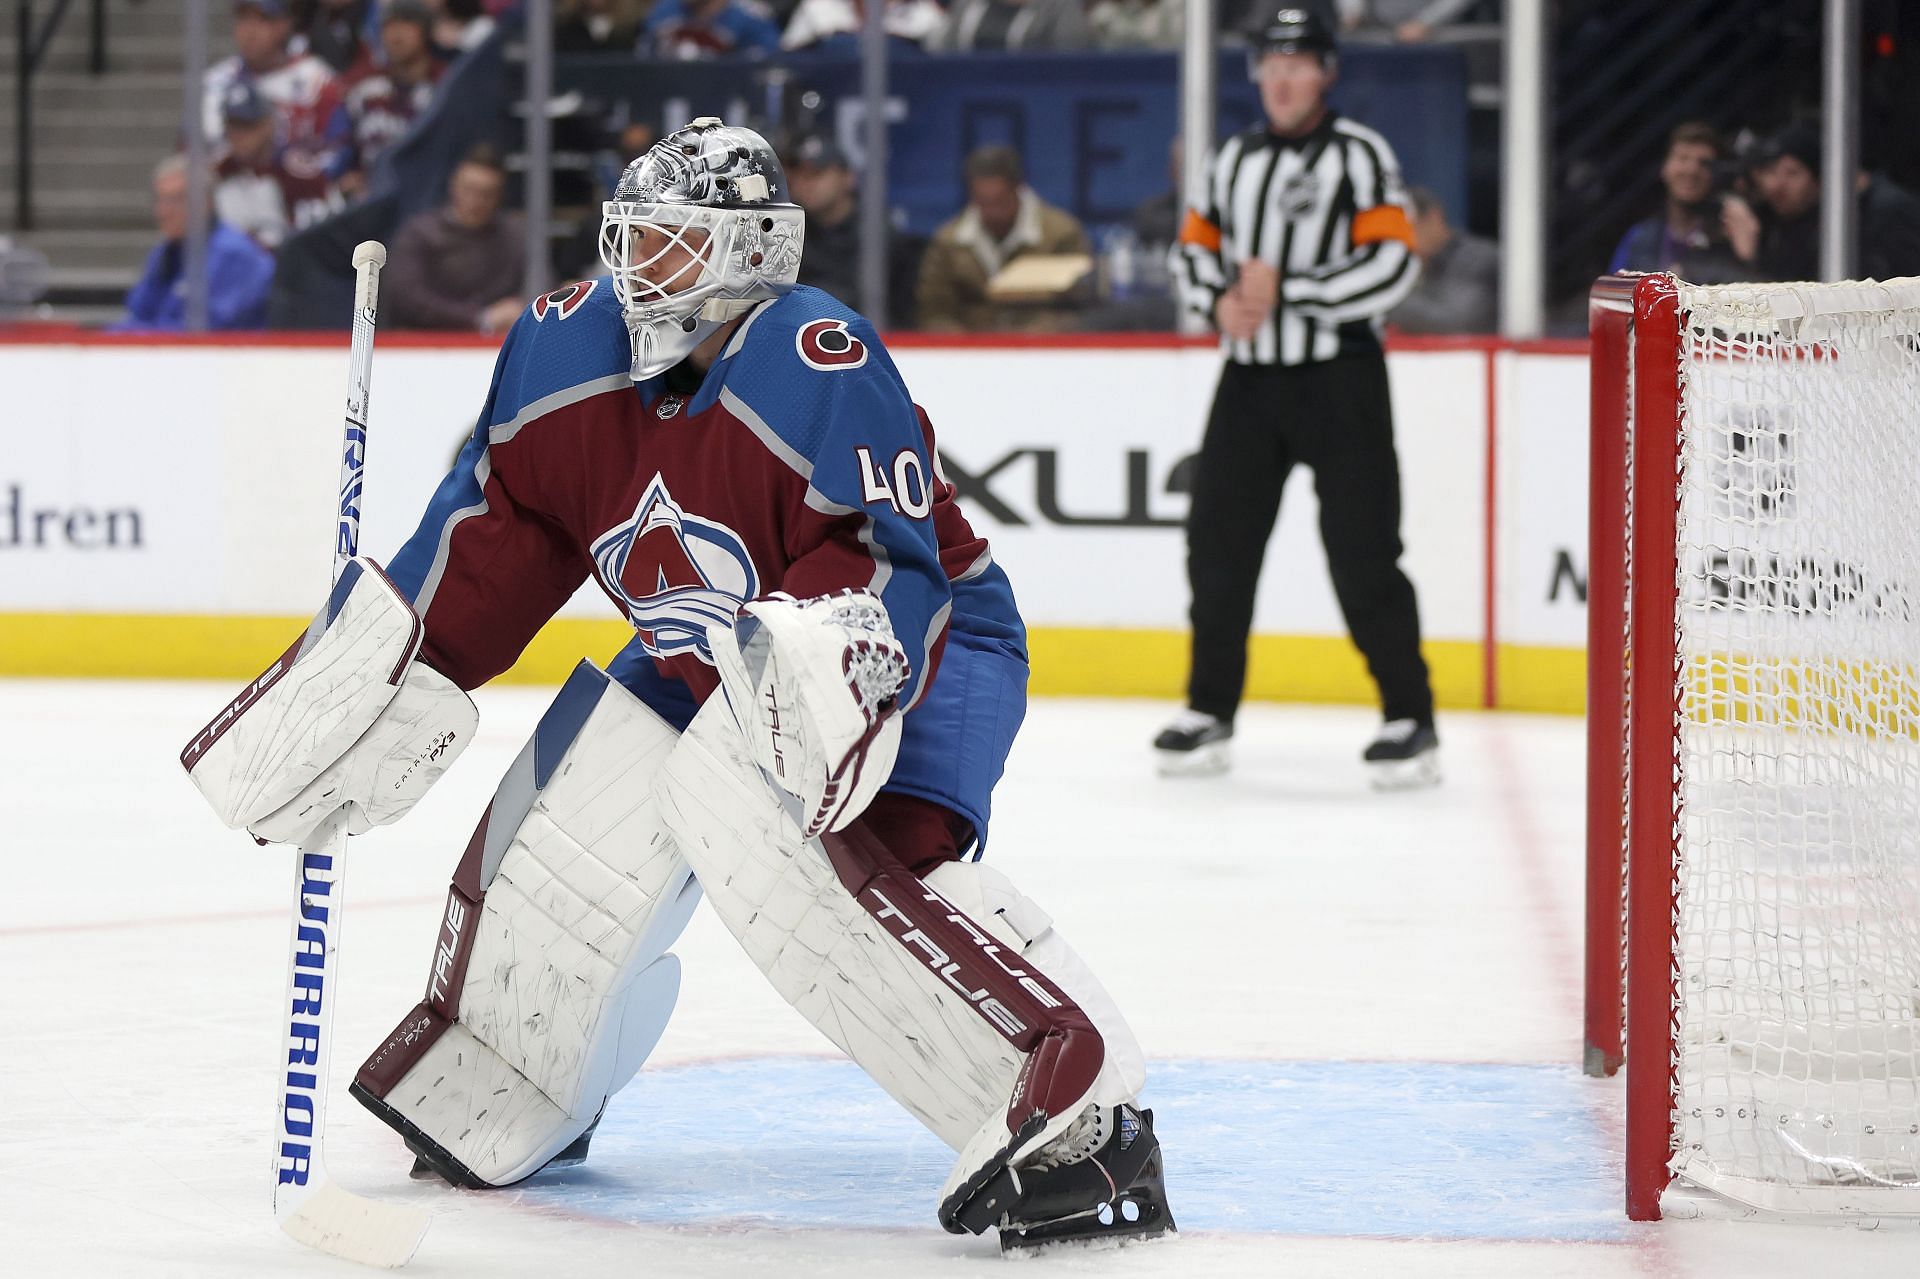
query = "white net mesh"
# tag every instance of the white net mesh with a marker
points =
(1798, 821)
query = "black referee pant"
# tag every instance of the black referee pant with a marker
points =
(1336, 418)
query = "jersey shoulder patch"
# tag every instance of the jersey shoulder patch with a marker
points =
(807, 365)
(563, 301)
(810, 329)
(573, 339)
(829, 345)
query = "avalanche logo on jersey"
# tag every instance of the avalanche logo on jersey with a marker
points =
(827, 345)
(563, 302)
(676, 574)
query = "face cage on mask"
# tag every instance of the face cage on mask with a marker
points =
(666, 226)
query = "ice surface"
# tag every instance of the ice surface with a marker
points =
(1362, 1009)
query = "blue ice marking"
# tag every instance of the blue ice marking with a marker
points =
(1346, 1149)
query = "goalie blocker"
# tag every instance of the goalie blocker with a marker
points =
(345, 717)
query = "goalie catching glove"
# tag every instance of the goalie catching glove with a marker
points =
(814, 686)
(345, 717)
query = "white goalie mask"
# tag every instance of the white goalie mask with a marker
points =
(699, 231)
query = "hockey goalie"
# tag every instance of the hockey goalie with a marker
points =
(827, 672)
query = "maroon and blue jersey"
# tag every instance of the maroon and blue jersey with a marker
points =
(798, 463)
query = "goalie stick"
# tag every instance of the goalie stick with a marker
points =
(310, 1206)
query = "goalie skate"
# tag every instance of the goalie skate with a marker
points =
(1101, 1179)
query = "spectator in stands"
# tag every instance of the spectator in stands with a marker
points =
(1688, 237)
(1003, 221)
(598, 26)
(835, 24)
(460, 266)
(690, 30)
(23, 278)
(239, 272)
(254, 189)
(383, 102)
(337, 31)
(636, 137)
(987, 25)
(302, 88)
(1408, 21)
(462, 25)
(1459, 283)
(1156, 219)
(1136, 24)
(823, 183)
(1786, 244)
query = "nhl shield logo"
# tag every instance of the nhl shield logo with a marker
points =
(1299, 194)
(675, 574)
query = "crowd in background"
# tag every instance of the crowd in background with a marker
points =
(296, 119)
(1749, 209)
(704, 28)
(317, 91)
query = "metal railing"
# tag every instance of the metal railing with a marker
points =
(30, 50)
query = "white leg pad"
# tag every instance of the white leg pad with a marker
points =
(486, 1113)
(822, 951)
(990, 898)
(889, 1004)
(551, 981)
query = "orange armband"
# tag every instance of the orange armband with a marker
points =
(1382, 222)
(1199, 232)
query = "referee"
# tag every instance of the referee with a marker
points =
(1304, 246)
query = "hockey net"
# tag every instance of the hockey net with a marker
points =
(1755, 742)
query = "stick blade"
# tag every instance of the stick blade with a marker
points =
(337, 1221)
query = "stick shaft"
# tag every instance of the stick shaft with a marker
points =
(353, 451)
(309, 1205)
(312, 986)
(319, 872)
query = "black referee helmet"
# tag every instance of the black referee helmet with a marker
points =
(1291, 30)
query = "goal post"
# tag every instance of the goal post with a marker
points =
(1610, 309)
(1753, 822)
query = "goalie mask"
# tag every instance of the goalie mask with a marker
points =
(699, 230)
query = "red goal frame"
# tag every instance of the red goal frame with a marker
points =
(1633, 714)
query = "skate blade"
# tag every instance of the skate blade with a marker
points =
(1109, 1224)
(1210, 760)
(1418, 773)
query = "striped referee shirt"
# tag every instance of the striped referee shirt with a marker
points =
(1330, 213)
